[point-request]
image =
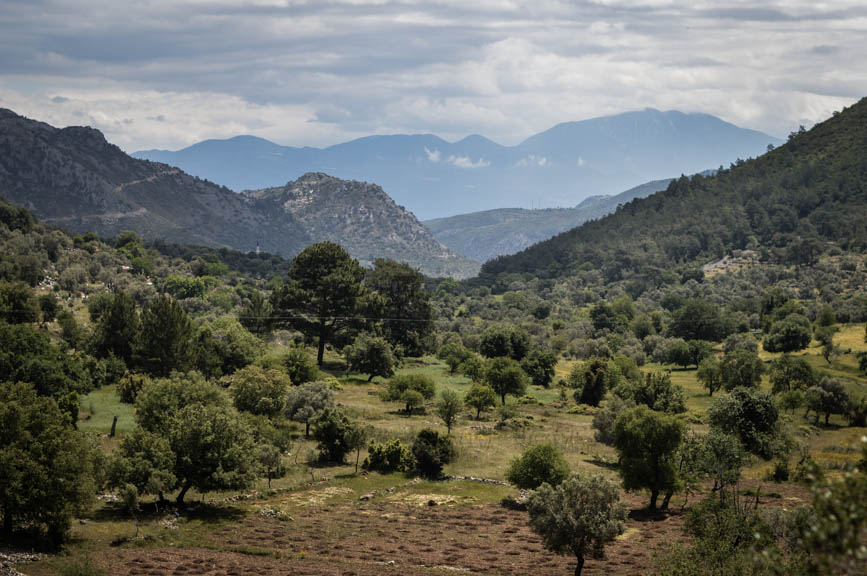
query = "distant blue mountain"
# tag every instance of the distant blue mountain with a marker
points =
(435, 178)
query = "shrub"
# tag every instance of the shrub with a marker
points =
(330, 429)
(432, 452)
(421, 387)
(603, 420)
(129, 387)
(371, 355)
(449, 407)
(258, 390)
(303, 402)
(590, 380)
(300, 366)
(537, 465)
(387, 458)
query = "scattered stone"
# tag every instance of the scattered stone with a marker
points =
(368, 496)
(431, 502)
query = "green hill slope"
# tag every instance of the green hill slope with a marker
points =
(791, 204)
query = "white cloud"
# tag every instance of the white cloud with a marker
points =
(433, 156)
(580, 161)
(533, 160)
(467, 162)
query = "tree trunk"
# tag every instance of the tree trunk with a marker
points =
(370, 379)
(827, 415)
(579, 566)
(654, 494)
(183, 492)
(479, 414)
(113, 427)
(307, 429)
(357, 458)
(7, 522)
(321, 353)
(666, 500)
(503, 396)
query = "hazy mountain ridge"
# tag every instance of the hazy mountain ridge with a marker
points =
(74, 178)
(435, 178)
(503, 231)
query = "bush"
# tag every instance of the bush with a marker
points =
(371, 355)
(421, 387)
(432, 452)
(300, 366)
(537, 465)
(258, 390)
(387, 458)
(129, 387)
(590, 380)
(603, 420)
(330, 429)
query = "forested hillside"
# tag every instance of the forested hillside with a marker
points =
(805, 198)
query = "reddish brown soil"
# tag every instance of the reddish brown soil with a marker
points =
(383, 537)
(365, 539)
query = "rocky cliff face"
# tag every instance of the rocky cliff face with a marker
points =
(364, 219)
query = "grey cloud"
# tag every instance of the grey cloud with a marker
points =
(320, 72)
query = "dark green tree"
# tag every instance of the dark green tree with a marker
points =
(791, 373)
(699, 319)
(505, 376)
(18, 303)
(166, 340)
(258, 390)
(432, 452)
(371, 355)
(322, 296)
(591, 380)
(741, 369)
(537, 465)
(647, 442)
(405, 309)
(117, 330)
(749, 415)
(46, 466)
(539, 366)
(257, 315)
(790, 334)
(331, 430)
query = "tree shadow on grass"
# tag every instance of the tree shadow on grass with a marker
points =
(604, 464)
(207, 512)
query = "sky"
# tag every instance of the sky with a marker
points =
(169, 73)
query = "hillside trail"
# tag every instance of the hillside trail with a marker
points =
(116, 191)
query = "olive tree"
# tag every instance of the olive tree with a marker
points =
(537, 465)
(305, 401)
(506, 377)
(579, 517)
(480, 397)
(647, 442)
(449, 407)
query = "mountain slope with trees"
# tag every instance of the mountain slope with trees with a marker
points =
(792, 204)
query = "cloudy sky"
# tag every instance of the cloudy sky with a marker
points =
(167, 73)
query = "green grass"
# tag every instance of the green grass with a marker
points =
(98, 409)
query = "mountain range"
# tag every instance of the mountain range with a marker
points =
(74, 178)
(503, 231)
(434, 178)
